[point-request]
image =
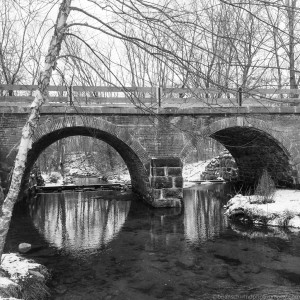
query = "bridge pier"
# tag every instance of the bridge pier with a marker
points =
(166, 182)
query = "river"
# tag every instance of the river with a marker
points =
(108, 245)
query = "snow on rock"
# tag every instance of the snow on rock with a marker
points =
(22, 278)
(284, 211)
(18, 267)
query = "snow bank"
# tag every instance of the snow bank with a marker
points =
(284, 211)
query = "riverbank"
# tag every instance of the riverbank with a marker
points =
(191, 172)
(283, 211)
(21, 278)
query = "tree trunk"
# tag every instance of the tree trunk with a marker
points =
(110, 158)
(32, 122)
(291, 12)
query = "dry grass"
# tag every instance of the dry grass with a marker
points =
(265, 188)
(33, 289)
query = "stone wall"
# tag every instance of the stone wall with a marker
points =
(221, 167)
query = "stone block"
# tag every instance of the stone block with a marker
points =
(159, 172)
(159, 182)
(167, 162)
(175, 171)
(228, 163)
(221, 162)
(178, 182)
(156, 193)
(171, 202)
(147, 167)
(173, 193)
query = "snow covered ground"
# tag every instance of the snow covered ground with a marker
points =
(283, 212)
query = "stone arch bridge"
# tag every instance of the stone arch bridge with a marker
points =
(154, 145)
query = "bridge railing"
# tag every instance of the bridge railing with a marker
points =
(150, 96)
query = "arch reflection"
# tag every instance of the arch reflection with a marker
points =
(203, 212)
(78, 221)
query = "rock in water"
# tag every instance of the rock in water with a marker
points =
(24, 247)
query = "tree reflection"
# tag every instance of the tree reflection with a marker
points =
(203, 213)
(78, 221)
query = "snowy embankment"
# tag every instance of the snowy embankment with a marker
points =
(191, 172)
(283, 211)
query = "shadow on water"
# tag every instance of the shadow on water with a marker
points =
(112, 246)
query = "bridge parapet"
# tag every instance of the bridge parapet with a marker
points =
(151, 97)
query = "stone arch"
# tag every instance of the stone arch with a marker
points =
(255, 145)
(133, 154)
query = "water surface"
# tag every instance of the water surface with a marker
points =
(104, 245)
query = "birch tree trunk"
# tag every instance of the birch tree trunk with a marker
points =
(31, 124)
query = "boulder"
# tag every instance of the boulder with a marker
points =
(37, 275)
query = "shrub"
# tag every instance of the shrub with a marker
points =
(265, 187)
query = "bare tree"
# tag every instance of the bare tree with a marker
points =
(21, 41)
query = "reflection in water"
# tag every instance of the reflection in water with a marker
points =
(203, 212)
(77, 221)
(165, 227)
(201, 218)
(156, 254)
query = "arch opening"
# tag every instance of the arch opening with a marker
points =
(254, 151)
(75, 158)
(136, 168)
